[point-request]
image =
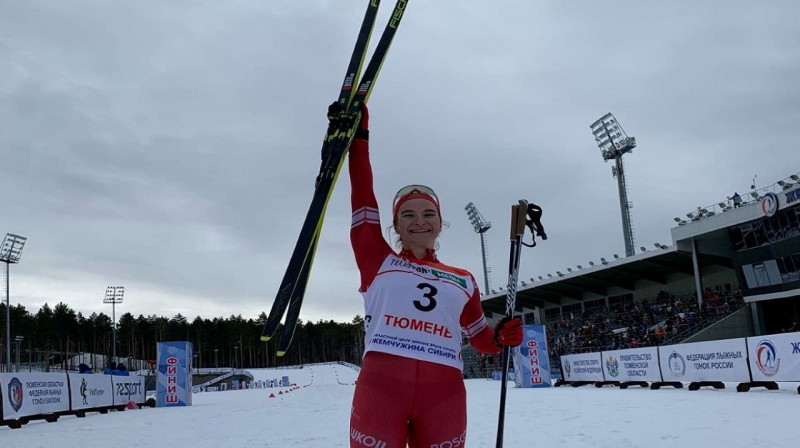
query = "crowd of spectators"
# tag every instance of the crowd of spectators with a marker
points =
(664, 319)
(791, 328)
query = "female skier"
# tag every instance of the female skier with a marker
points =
(410, 390)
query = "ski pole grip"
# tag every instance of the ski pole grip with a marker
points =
(518, 214)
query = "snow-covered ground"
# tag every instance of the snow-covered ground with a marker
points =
(316, 414)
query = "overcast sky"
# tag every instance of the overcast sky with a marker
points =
(171, 146)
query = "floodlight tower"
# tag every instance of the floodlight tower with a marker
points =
(10, 252)
(613, 144)
(481, 226)
(114, 296)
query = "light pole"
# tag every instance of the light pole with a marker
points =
(613, 144)
(10, 252)
(481, 226)
(18, 340)
(114, 296)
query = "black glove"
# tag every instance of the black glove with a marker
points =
(363, 127)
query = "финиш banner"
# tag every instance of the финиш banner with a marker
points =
(531, 360)
(174, 386)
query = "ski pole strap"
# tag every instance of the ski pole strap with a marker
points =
(534, 222)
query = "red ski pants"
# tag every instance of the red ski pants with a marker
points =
(401, 401)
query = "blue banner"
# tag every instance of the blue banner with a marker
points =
(174, 386)
(531, 363)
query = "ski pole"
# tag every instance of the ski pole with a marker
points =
(522, 215)
(518, 216)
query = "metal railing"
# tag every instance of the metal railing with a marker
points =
(750, 196)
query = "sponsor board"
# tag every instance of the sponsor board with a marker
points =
(770, 204)
(583, 367)
(775, 357)
(633, 364)
(89, 391)
(127, 389)
(27, 394)
(724, 360)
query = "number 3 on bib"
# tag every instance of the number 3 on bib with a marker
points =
(431, 292)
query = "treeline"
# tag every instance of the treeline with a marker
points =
(53, 335)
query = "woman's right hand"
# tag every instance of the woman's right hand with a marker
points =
(363, 127)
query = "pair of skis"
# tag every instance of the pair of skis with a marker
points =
(522, 215)
(344, 117)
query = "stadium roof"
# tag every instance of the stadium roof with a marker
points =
(654, 266)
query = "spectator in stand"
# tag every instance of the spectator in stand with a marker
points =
(737, 200)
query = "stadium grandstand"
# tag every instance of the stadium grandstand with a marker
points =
(732, 270)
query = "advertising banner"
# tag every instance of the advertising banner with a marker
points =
(582, 367)
(174, 385)
(772, 202)
(26, 394)
(89, 391)
(775, 357)
(531, 362)
(633, 364)
(127, 389)
(724, 360)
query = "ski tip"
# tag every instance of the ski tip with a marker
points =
(265, 338)
(281, 353)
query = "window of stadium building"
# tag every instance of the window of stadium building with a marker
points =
(772, 272)
(783, 225)
(789, 267)
(552, 314)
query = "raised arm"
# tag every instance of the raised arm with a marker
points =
(365, 233)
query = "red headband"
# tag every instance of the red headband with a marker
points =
(416, 195)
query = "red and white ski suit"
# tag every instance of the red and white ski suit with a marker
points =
(410, 389)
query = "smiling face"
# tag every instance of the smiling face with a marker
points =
(418, 223)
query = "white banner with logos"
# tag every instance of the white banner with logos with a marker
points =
(724, 360)
(775, 357)
(582, 367)
(27, 394)
(128, 388)
(89, 391)
(633, 364)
